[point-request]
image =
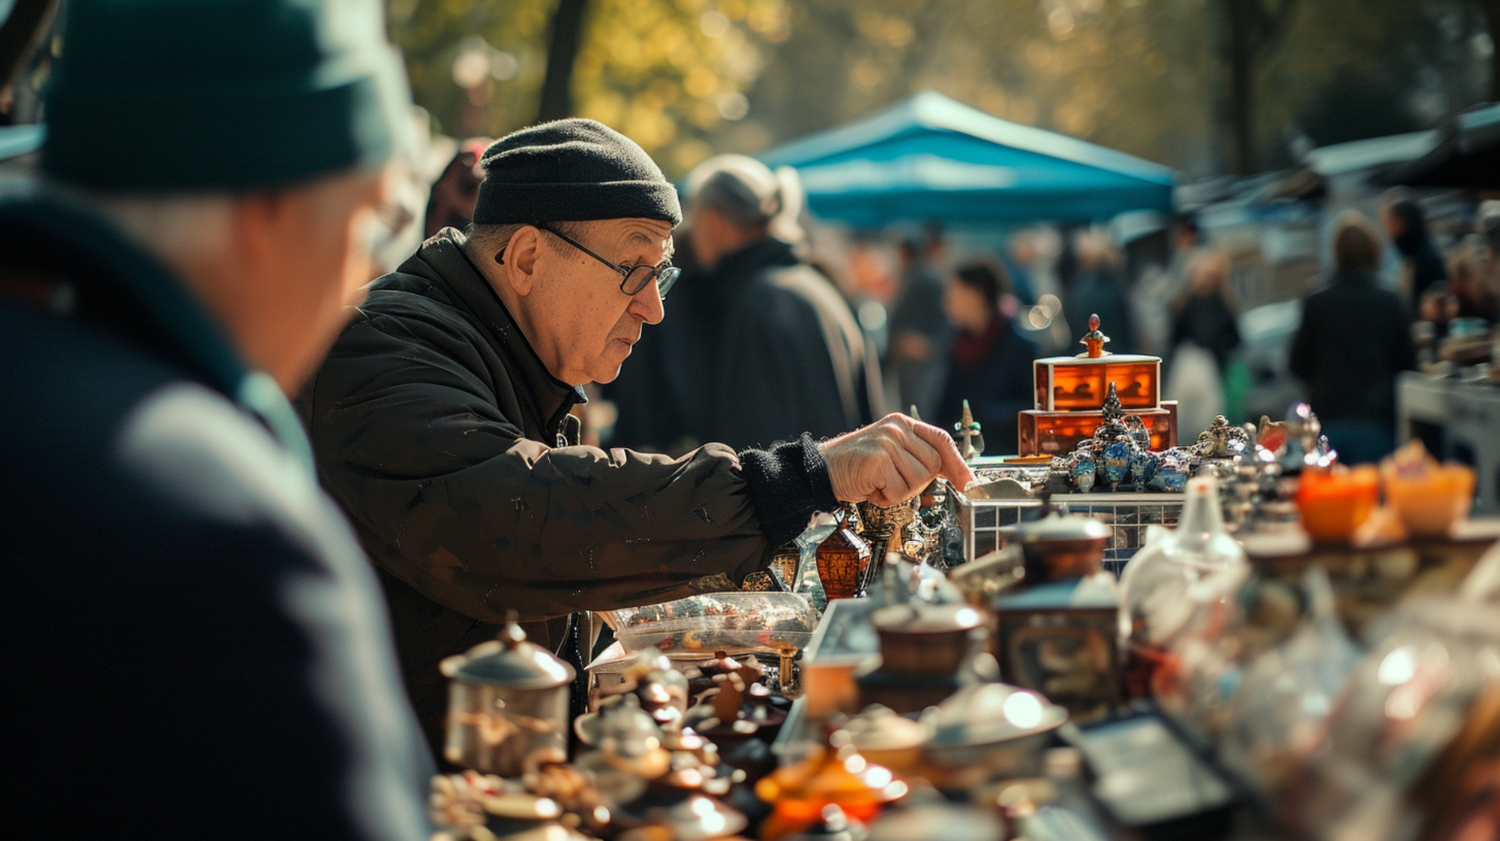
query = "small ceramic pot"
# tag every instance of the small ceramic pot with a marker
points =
(924, 638)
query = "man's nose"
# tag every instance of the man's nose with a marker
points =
(647, 304)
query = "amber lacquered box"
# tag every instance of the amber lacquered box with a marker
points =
(1058, 433)
(1071, 383)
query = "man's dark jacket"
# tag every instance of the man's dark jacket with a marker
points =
(194, 645)
(449, 444)
(1354, 338)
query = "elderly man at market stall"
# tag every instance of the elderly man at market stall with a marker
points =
(194, 644)
(441, 420)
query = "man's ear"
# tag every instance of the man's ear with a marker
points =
(256, 227)
(521, 257)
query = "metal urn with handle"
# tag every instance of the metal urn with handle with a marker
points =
(507, 703)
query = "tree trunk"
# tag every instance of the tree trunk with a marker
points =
(1251, 27)
(1240, 33)
(562, 53)
(1492, 14)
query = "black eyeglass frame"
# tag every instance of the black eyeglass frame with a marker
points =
(664, 275)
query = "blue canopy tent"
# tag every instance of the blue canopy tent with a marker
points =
(933, 158)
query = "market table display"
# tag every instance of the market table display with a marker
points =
(1283, 655)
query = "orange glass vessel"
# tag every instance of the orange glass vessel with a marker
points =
(830, 776)
(1333, 504)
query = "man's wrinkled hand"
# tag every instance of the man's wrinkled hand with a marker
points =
(891, 461)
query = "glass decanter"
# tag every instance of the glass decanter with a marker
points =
(1157, 597)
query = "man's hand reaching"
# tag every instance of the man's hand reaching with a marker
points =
(891, 461)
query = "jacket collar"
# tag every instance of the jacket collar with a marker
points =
(448, 267)
(768, 251)
(45, 230)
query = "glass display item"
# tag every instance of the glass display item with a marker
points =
(1155, 599)
(507, 704)
(1278, 711)
(843, 564)
(734, 623)
(1410, 746)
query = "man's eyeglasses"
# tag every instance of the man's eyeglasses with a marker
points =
(632, 278)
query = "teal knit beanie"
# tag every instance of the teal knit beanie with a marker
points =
(172, 96)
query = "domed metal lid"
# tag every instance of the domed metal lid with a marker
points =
(880, 728)
(511, 661)
(989, 713)
(1060, 526)
(923, 618)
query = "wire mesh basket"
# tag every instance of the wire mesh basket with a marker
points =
(988, 524)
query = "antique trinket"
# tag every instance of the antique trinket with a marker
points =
(843, 564)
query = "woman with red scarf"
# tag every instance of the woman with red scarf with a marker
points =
(990, 361)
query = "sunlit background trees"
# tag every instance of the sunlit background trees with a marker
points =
(1206, 86)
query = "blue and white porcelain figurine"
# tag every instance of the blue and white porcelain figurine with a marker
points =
(1142, 467)
(1116, 462)
(1172, 474)
(1084, 472)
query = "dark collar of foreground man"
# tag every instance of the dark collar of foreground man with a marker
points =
(109, 280)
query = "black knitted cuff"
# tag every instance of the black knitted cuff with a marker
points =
(788, 484)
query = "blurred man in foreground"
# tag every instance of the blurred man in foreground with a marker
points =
(440, 420)
(194, 643)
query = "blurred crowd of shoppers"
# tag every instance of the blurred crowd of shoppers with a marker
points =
(952, 322)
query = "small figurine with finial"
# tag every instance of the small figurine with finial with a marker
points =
(970, 437)
(1094, 339)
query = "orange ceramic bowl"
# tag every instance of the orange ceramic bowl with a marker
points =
(1333, 505)
(1429, 503)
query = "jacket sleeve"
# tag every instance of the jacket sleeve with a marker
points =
(450, 497)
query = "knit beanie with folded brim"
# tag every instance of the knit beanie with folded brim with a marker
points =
(571, 170)
(178, 96)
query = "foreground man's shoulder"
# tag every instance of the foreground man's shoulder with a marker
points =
(203, 454)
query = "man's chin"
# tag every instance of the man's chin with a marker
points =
(610, 365)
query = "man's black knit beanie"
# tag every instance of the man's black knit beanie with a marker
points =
(571, 170)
